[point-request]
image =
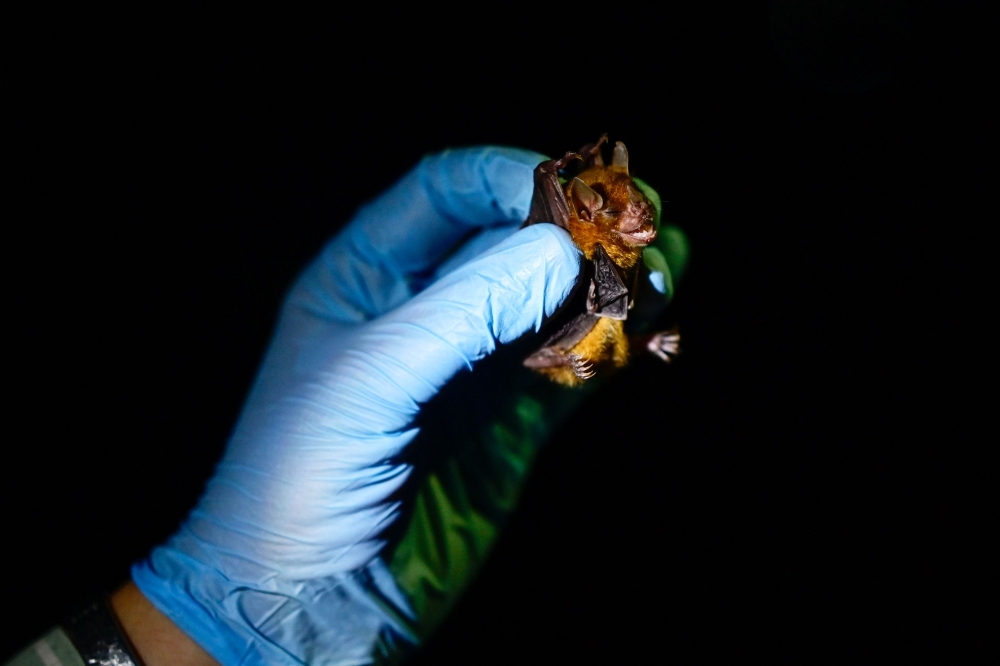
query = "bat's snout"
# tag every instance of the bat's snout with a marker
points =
(635, 225)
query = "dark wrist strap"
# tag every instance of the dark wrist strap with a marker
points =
(99, 638)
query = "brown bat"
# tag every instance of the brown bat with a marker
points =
(611, 220)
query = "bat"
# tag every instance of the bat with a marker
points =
(611, 220)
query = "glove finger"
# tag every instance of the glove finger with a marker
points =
(380, 259)
(472, 248)
(402, 360)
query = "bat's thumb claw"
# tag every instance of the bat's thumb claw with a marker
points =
(566, 159)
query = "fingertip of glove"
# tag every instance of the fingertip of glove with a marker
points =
(553, 243)
(547, 264)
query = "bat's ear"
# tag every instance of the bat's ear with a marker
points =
(585, 200)
(620, 157)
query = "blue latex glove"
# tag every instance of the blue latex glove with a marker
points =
(280, 561)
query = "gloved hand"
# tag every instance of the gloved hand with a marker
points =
(284, 558)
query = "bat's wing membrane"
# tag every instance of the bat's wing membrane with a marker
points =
(592, 152)
(608, 296)
(553, 352)
(548, 202)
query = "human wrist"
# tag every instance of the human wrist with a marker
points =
(156, 640)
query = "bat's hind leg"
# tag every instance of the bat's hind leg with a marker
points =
(558, 362)
(550, 357)
(665, 345)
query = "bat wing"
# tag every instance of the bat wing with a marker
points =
(608, 296)
(553, 352)
(592, 153)
(574, 331)
(548, 202)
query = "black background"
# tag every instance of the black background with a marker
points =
(810, 480)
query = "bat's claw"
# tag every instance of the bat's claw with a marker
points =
(563, 161)
(665, 345)
(581, 367)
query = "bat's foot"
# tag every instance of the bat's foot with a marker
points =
(581, 366)
(666, 345)
(564, 368)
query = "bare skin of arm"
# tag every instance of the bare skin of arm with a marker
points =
(157, 640)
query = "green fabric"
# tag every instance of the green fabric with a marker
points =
(52, 649)
(667, 255)
(473, 480)
(669, 251)
(654, 260)
(672, 242)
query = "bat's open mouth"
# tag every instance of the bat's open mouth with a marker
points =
(638, 237)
